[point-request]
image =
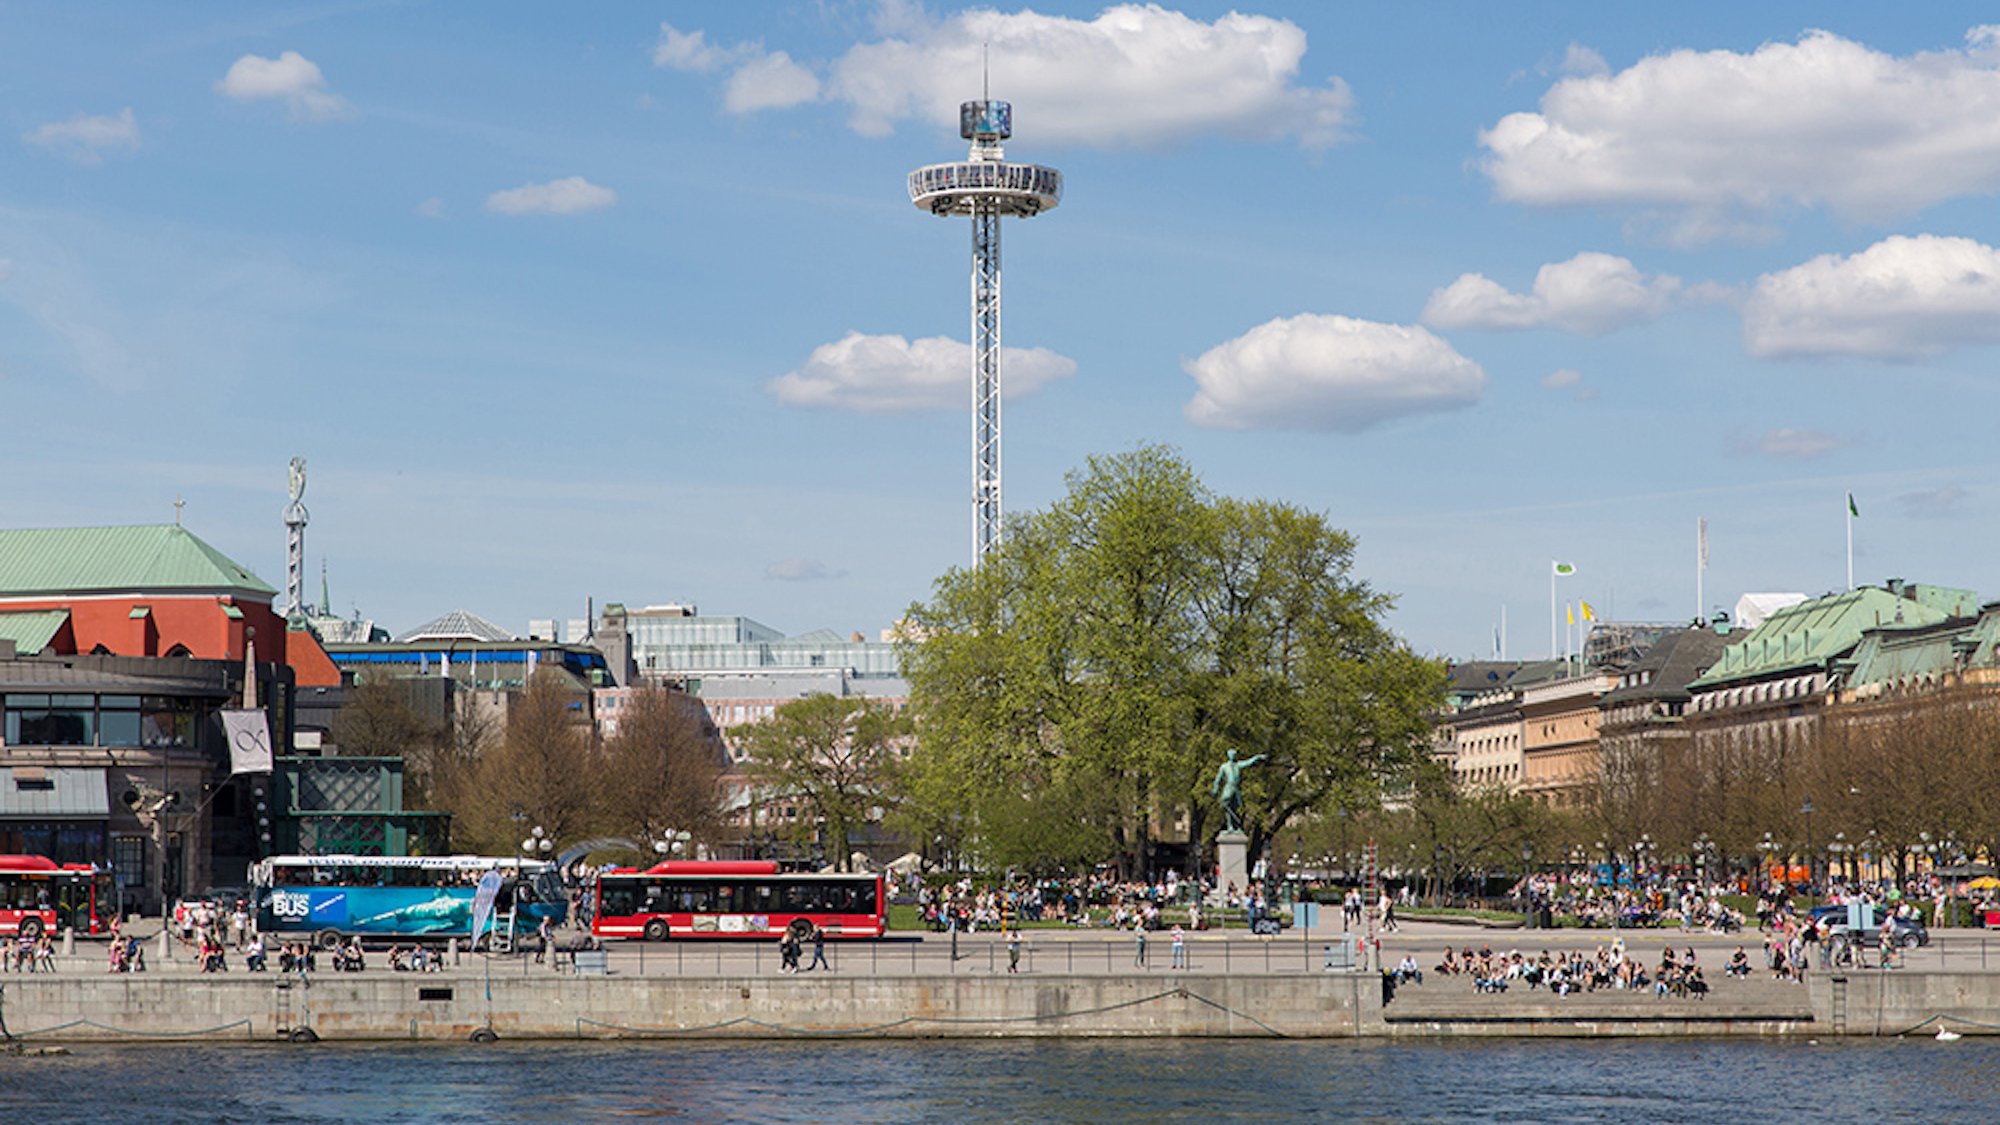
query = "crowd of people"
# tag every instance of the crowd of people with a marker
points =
(1608, 968)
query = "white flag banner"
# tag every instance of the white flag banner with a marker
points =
(249, 735)
(1703, 526)
(482, 904)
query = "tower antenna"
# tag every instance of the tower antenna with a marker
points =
(985, 187)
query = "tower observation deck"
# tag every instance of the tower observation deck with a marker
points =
(985, 187)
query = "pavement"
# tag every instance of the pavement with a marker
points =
(1097, 951)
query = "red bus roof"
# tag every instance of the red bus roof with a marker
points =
(714, 867)
(27, 863)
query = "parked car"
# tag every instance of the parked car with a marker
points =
(1910, 933)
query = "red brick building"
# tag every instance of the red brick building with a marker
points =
(153, 590)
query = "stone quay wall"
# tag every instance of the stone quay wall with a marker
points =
(456, 1005)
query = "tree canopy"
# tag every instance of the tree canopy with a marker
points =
(1077, 689)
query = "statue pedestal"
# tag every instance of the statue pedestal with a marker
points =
(1232, 849)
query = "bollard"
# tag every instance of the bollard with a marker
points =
(452, 948)
(166, 946)
(69, 941)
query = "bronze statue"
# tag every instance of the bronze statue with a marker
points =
(1229, 787)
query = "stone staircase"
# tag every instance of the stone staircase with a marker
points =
(1730, 1004)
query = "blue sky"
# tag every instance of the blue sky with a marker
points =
(627, 302)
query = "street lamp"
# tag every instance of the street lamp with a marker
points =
(1528, 881)
(1769, 849)
(1805, 813)
(537, 843)
(671, 842)
(1842, 854)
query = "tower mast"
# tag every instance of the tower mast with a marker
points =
(986, 188)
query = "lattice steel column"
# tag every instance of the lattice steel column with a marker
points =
(986, 499)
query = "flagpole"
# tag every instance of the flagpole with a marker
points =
(1850, 541)
(1552, 609)
(1700, 564)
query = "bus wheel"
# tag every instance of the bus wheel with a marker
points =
(327, 939)
(485, 1035)
(656, 930)
(31, 929)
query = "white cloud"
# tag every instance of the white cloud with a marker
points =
(1316, 372)
(1133, 75)
(1562, 379)
(85, 138)
(757, 80)
(573, 195)
(799, 570)
(1788, 444)
(432, 208)
(291, 78)
(1579, 59)
(1591, 293)
(1902, 298)
(891, 375)
(691, 51)
(771, 81)
(1710, 135)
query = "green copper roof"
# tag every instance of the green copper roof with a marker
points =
(80, 560)
(31, 632)
(1811, 633)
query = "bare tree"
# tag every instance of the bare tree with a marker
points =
(543, 772)
(662, 769)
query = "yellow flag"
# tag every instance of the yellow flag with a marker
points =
(1589, 614)
(1569, 611)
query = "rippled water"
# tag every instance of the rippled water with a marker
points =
(1711, 1082)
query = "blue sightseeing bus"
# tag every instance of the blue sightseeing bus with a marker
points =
(331, 897)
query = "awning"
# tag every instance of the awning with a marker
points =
(28, 792)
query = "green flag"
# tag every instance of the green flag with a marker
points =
(1851, 509)
(1564, 569)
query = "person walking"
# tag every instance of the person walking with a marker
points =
(1014, 951)
(1139, 947)
(1388, 910)
(819, 950)
(1179, 959)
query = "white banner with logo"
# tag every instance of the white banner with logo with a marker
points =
(249, 735)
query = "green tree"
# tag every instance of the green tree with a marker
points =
(1117, 643)
(836, 757)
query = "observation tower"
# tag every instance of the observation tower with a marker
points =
(987, 188)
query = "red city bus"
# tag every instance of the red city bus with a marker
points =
(39, 895)
(733, 899)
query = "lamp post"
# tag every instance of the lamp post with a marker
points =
(1640, 849)
(1528, 881)
(1839, 852)
(1703, 846)
(537, 843)
(1768, 848)
(1805, 813)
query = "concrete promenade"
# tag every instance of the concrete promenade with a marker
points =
(1071, 983)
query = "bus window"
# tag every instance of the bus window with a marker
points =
(763, 898)
(800, 897)
(725, 899)
(618, 898)
(691, 898)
